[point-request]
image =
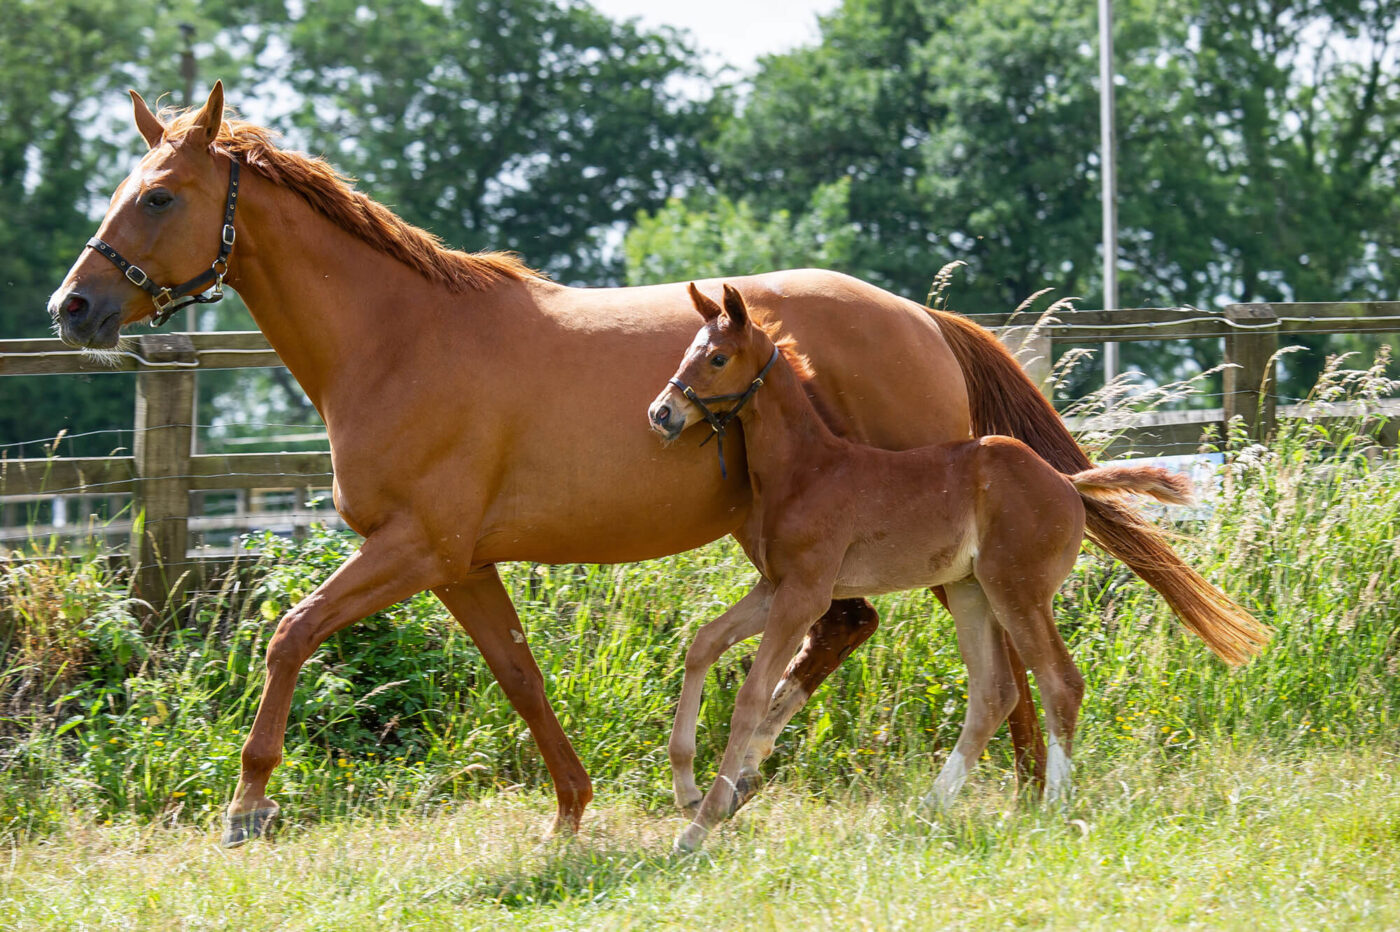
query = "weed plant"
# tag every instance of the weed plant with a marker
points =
(106, 719)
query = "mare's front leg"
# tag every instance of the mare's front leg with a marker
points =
(794, 607)
(483, 608)
(740, 621)
(392, 564)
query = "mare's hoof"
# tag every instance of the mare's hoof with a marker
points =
(245, 826)
(745, 789)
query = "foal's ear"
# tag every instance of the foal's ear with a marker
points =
(207, 124)
(705, 305)
(734, 307)
(147, 123)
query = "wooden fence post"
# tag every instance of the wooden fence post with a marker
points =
(1251, 382)
(1032, 348)
(162, 449)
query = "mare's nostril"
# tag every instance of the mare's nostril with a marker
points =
(75, 305)
(663, 414)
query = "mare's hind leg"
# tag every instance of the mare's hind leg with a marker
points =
(740, 621)
(991, 686)
(1030, 621)
(483, 608)
(392, 564)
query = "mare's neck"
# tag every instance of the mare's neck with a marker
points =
(782, 430)
(338, 311)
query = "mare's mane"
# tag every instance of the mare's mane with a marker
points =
(329, 192)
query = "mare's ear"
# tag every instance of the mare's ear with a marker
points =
(147, 123)
(706, 306)
(734, 307)
(207, 124)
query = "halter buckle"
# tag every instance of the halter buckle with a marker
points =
(227, 235)
(134, 270)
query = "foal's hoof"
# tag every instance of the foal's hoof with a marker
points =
(691, 839)
(245, 826)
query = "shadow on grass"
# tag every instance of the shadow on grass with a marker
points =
(566, 871)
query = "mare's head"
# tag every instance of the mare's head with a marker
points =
(166, 220)
(720, 365)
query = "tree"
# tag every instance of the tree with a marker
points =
(516, 124)
(720, 237)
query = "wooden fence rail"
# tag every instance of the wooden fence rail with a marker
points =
(163, 469)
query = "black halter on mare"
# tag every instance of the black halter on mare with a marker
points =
(718, 422)
(173, 298)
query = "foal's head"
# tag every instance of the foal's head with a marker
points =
(724, 358)
(165, 219)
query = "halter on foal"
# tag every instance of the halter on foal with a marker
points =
(988, 519)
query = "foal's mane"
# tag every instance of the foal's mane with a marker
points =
(787, 348)
(330, 193)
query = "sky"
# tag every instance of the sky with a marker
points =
(737, 31)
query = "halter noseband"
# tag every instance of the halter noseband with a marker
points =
(718, 422)
(169, 299)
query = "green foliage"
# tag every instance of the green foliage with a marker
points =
(531, 125)
(723, 237)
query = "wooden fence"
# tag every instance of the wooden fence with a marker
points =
(163, 469)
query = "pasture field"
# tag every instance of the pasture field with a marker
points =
(413, 797)
(1217, 839)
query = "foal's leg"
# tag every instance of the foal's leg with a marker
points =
(1027, 743)
(790, 614)
(845, 626)
(483, 608)
(991, 686)
(1030, 621)
(742, 620)
(391, 565)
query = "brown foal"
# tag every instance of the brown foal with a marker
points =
(987, 519)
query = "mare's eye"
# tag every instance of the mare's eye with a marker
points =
(159, 199)
(719, 360)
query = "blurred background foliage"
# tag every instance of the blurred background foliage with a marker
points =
(1258, 160)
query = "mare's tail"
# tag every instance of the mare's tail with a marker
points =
(1004, 400)
(1108, 483)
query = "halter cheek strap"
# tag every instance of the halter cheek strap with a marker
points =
(721, 420)
(172, 298)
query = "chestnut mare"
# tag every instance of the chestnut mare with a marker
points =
(987, 519)
(449, 384)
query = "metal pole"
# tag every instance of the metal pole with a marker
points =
(1109, 159)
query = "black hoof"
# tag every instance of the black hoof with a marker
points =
(745, 789)
(244, 827)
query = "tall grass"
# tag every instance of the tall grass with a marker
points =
(104, 719)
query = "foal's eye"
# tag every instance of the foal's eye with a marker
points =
(719, 360)
(158, 199)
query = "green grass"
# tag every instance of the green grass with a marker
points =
(1218, 840)
(119, 740)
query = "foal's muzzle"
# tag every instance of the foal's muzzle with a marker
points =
(664, 419)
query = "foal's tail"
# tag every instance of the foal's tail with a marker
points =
(1109, 483)
(1005, 401)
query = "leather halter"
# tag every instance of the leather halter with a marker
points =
(172, 298)
(719, 421)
